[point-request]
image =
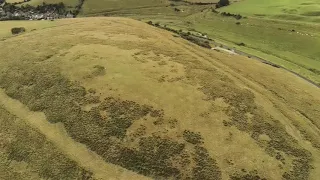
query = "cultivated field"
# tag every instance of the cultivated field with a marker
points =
(292, 45)
(101, 6)
(68, 3)
(137, 102)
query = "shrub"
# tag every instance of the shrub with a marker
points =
(192, 137)
(241, 44)
(195, 40)
(18, 30)
(236, 16)
(99, 70)
(316, 71)
(222, 3)
(215, 11)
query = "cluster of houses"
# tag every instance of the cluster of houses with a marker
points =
(32, 14)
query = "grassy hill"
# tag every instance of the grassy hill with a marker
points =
(285, 9)
(101, 98)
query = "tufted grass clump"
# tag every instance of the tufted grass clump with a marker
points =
(192, 137)
(206, 167)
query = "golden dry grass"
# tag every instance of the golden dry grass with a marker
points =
(5, 30)
(160, 106)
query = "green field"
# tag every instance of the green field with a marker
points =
(284, 9)
(13, 1)
(269, 39)
(100, 6)
(68, 3)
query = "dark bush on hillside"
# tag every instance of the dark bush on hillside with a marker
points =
(238, 23)
(195, 40)
(316, 71)
(18, 30)
(222, 3)
(192, 137)
(237, 16)
(271, 64)
(188, 36)
(215, 11)
(241, 44)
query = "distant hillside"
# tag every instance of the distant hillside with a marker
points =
(70, 3)
(283, 9)
(98, 6)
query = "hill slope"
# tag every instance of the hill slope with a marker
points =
(286, 9)
(138, 102)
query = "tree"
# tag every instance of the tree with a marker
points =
(18, 30)
(222, 3)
